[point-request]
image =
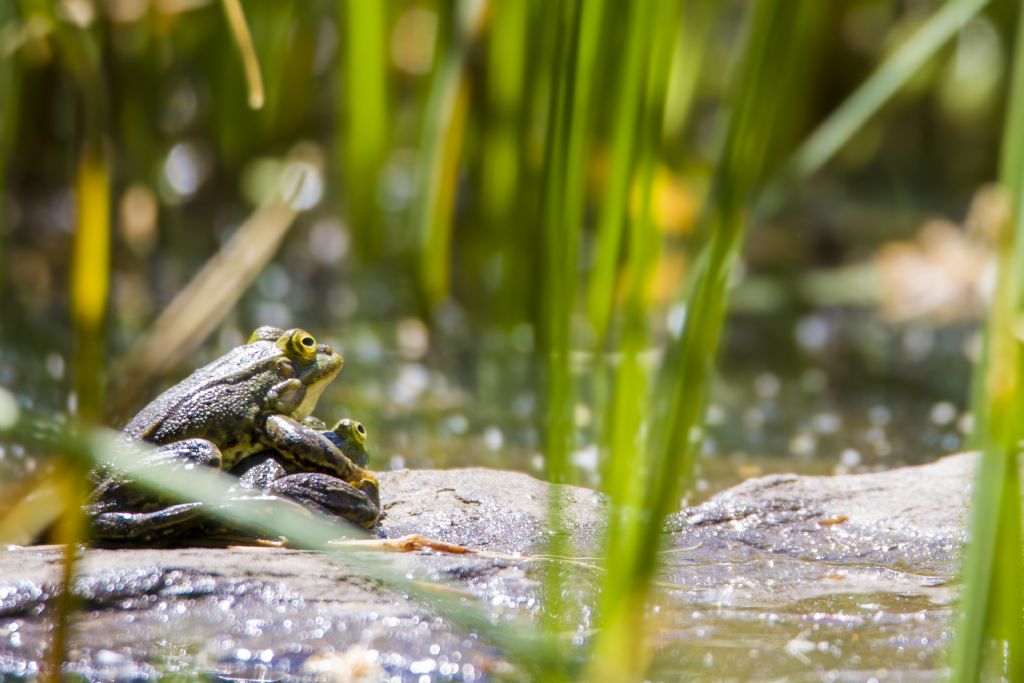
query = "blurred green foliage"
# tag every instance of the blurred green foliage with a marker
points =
(549, 178)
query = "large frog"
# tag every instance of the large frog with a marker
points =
(250, 400)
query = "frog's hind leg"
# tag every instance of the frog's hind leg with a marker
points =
(121, 511)
(185, 454)
(144, 527)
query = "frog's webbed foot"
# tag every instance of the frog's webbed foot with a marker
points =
(331, 496)
(310, 449)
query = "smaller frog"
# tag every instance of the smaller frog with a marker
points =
(347, 434)
(250, 400)
(269, 473)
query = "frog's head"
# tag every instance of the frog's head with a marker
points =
(351, 439)
(303, 366)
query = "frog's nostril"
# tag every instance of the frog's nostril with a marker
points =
(325, 348)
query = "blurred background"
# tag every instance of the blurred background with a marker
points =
(388, 195)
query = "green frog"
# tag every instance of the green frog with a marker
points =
(253, 399)
(271, 473)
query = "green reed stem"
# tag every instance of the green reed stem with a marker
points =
(621, 651)
(614, 207)
(502, 157)
(758, 102)
(687, 62)
(578, 30)
(70, 532)
(90, 277)
(678, 402)
(441, 142)
(10, 82)
(366, 123)
(563, 216)
(992, 600)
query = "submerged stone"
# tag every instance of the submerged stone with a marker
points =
(780, 576)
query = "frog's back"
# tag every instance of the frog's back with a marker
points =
(223, 396)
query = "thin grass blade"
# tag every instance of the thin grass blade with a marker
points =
(612, 214)
(365, 139)
(992, 602)
(243, 41)
(867, 100)
(441, 153)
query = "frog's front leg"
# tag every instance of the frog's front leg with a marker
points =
(312, 451)
(121, 511)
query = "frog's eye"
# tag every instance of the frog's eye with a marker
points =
(356, 429)
(301, 343)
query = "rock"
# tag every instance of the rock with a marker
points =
(483, 509)
(773, 578)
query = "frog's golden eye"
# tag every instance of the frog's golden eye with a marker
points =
(300, 343)
(349, 426)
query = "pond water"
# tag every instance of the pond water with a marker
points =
(844, 393)
(841, 393)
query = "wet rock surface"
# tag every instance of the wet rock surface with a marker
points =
(780, 576)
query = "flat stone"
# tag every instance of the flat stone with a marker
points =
(772, 568)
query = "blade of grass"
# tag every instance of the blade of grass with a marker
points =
(621, 651)
(992, 599)
(687, 63)
(860, 106)
(32, 505)
(70, 532)
(201, 305)
(90, 277)
(563, 218)
(10, 82)
(579, 26)
(441, 151)
(759, 94)
(243, 41)
(366, 121)
(84, 446)
(79, 49)
(502, 162)
(612, 214)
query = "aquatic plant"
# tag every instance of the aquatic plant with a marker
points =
(532, 204)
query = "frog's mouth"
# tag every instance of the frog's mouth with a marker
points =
(328, 365)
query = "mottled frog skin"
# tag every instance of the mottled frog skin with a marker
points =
(250, 401)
